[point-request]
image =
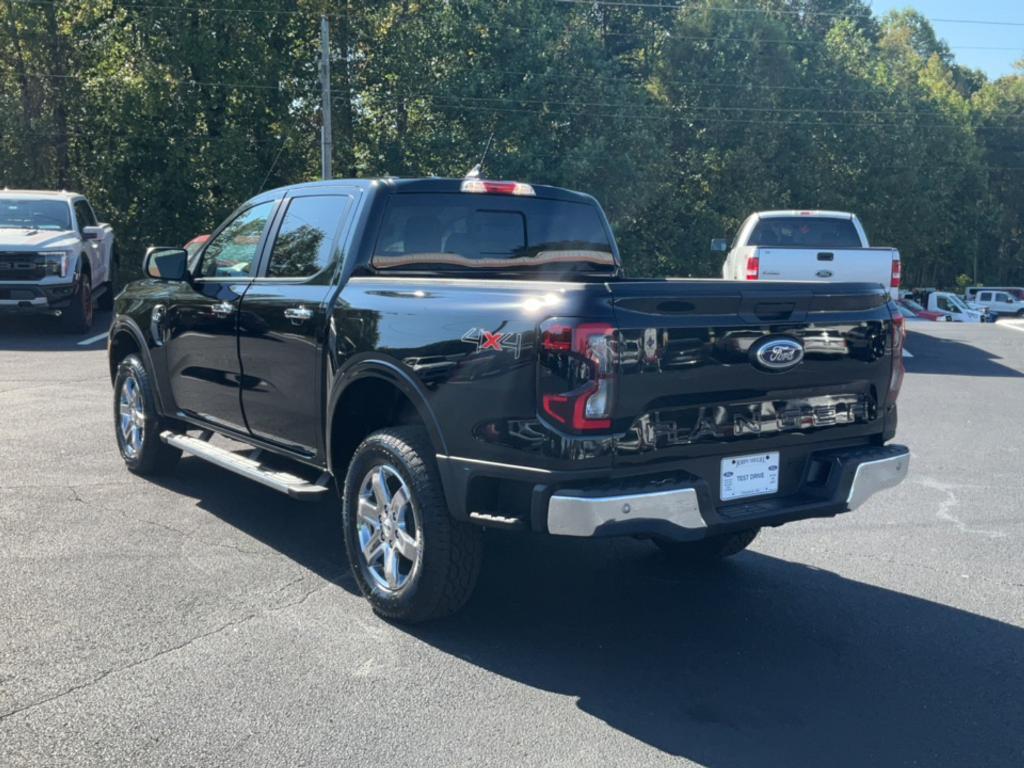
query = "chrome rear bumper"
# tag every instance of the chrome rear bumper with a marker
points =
(677, 512)
(874, 476)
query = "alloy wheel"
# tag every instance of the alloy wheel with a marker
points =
(132, 416)
(389, 530)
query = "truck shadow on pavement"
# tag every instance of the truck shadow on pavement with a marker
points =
(935, 354)
(42, 333)
(759, 661)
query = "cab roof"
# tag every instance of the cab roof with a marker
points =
(40, 194)
(810, 214)
(427, 184)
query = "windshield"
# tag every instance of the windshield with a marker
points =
(950, 303)
(805, 231)
(470, 231)
(34, 214)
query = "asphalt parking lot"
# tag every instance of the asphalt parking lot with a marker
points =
(204, 620)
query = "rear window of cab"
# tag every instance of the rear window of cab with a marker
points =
(805, 231)
(473, 231)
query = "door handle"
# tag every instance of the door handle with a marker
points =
(298, 314)
(223, 309)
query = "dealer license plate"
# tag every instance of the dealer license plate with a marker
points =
(753, 475)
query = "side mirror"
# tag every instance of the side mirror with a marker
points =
(166, 263)
(719, 245)
(91, 233)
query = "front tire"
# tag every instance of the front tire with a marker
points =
(409, 557)
(708, 551)
(137, 423)
(78, 317)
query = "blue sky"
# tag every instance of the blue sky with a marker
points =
(962, 37)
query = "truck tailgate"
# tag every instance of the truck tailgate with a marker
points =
(834, 265)
(702, 372)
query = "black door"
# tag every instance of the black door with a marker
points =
(282, 322)
(201, 321)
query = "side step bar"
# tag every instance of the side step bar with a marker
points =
(282, 482)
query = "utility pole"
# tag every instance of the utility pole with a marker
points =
(326, 142)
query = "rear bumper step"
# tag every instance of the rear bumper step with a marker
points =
(683, 511)
(249, 467)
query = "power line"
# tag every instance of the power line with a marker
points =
(192, 9)
(638, 108)
(670, 35)
(781, 11)
(712, 120)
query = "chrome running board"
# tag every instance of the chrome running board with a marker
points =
(249, 467)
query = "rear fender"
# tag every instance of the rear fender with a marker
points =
(392, 373)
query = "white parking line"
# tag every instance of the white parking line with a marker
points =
(906, 353)
(1012, 326)
(93, 340)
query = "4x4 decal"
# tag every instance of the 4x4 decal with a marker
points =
(498, 342)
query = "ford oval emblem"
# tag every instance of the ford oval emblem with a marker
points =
(824, 273)
(779, 353)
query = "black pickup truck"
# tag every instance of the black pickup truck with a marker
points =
(452, 355)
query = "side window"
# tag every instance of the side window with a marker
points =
(233, 251)
(985, 296)
(304, 245)
(83, 215)
(945, 305)
(1002, 297)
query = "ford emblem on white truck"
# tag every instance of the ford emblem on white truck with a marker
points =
(777, 353)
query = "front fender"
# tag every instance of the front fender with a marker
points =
(126, 325)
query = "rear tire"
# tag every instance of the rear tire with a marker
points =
(137, 424)
(708, 551)
(78, 317)
(411, 560)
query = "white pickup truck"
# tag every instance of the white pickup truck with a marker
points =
(998, 301)
(823, 246)
(55, 258)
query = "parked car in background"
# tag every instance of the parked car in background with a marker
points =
(952, 305)
(824, 246)
(55, 257)
(197, 242)
(972, 292)
(911, 310)
(997, 302)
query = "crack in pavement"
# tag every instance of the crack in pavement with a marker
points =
(951, 501)
(180, 646)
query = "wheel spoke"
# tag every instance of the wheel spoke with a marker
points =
(398, 502)
(391, 566)
(380, 488)
(406, 545)
(367, 513)
(136, 437)
(372, 547)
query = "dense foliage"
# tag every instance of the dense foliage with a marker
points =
(681, 118)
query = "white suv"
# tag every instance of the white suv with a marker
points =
(55, 258)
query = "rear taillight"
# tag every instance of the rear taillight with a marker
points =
(576, 379)
(899, 334)
(897, 271)
(753, 267)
